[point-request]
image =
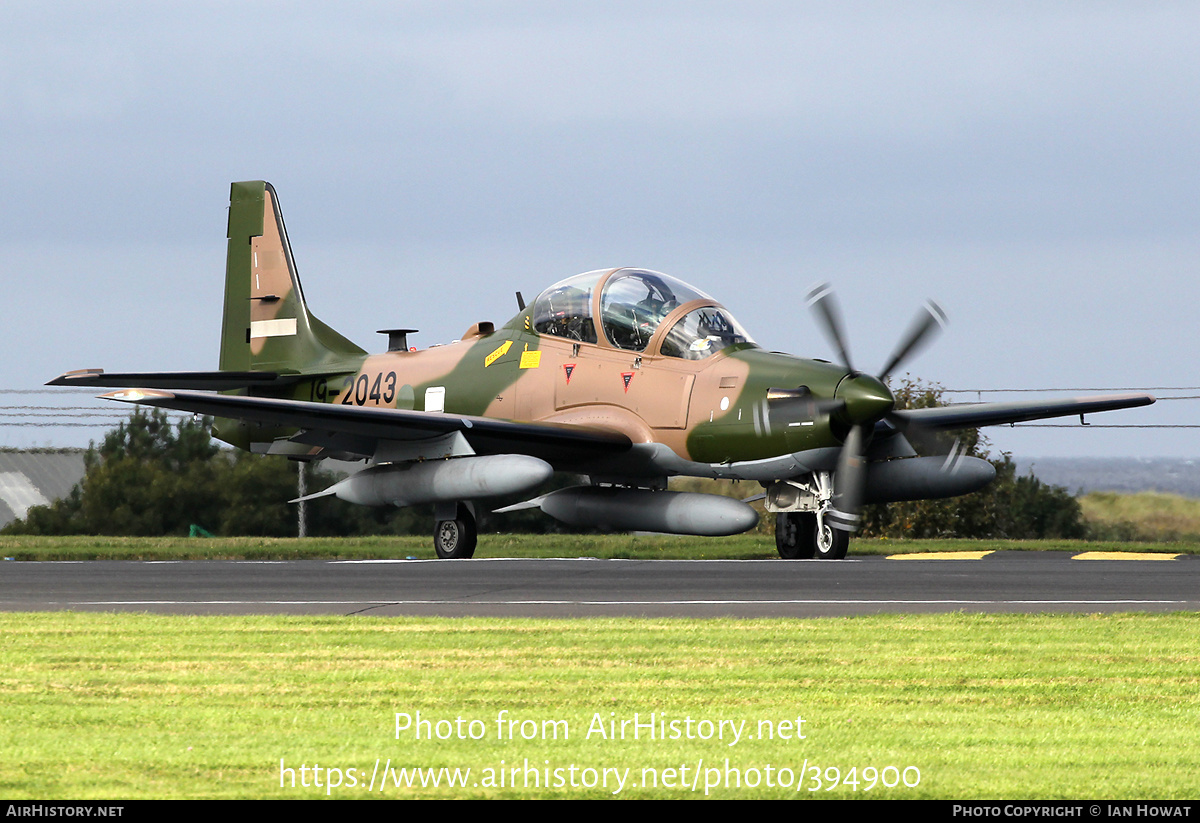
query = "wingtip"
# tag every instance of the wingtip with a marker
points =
(71, 378)
(1131, 400)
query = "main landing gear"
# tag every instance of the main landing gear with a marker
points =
(801, 536)
(455, 534)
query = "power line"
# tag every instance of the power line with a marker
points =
(66, 416)
(1074, 388)
(59, 390)
(108, 408)
(1104, 426)
(55, 425)
(109, 418)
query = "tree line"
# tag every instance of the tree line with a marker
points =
(1015, 507)
(149, 477)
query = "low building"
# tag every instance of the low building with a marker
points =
(36, 478)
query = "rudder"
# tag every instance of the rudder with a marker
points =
(267, 325)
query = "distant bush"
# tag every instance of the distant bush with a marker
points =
(1012, 507)
(151, 478)
(1145, 516)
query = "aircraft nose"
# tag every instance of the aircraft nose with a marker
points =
(867, 398)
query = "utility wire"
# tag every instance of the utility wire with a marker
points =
(107, 408)
(1076, 388)
(1104, 426)
(67, 415)
(59, 425)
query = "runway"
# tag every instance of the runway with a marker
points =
(999, 582)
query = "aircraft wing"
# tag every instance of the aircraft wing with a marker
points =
(362, 428)
(974, 415)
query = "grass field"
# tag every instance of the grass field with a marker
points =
(662, 547)
(960, 706)
(982, 706)
(1147, 516)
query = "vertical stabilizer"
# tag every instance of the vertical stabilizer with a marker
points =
(267, 326)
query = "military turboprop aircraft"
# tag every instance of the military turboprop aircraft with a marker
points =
(627, 376)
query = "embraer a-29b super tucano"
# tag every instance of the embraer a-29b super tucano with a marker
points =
(626, 376)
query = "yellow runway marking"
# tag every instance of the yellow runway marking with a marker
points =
(940, 556)
(1124, 556)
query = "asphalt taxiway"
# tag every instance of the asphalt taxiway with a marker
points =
(997, 582)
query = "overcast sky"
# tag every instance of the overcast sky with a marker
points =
(1031, 166)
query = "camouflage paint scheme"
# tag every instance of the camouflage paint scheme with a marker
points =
(491, 374)
(630, 415)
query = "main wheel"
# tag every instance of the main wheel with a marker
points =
(793, 535)
(455, 539)
(797, 538)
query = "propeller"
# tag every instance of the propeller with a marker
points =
(864, 400)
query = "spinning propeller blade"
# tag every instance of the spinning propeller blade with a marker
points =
(863, 400)
(931, 319)
(821, 301)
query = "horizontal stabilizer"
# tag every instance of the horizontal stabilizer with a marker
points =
(210, 380)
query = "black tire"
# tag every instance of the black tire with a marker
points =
(455, 539)
(796, 538)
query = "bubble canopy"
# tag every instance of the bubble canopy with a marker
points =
(631, 306)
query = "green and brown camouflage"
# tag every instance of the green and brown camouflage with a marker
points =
(709, 410)
(626, 375)
(702, 408)
(267, 325)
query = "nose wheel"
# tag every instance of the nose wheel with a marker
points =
(803, 536)
(454, 538)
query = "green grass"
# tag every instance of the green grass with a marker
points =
(663, 547)
(1148, 516)
(985, 706)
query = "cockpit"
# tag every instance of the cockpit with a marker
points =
(638, 310)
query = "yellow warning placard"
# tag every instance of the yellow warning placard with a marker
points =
(497, 354)
(531, 359)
